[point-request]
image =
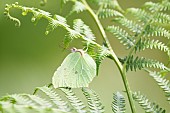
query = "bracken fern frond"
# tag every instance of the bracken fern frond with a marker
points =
(93, 101)
(132, 26)
(146, 43)
(54, 22)
(160, 6)
(122, 35)
(55, 98)
(102, 53)
(162, 82)
(77, 104)
(118, 104)
(106, 13)
(152, 30)
(148, 106)
(140, 63)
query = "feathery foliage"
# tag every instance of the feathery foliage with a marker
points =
(162, 82)
(106, 13)
(118, 104)
(122, 35)
(101, 54)
(140, 63)
(54, 22)
(55, 98)
(93, 101)
(75, 102)
(136, 29)
(151, 44)
(26, 103)
(148, 106)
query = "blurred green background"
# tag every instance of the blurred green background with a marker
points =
(28, 58)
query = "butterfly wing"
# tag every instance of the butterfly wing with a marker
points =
(76, 71)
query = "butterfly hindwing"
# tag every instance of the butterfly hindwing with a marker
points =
(77, 70)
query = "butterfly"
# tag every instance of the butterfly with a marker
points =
(77, 70)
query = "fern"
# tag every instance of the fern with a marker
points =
(101, 54)
(93, 101)
(75, 102)
(78, 7)
(54, 22)
(55, 98)
(25, 103)
(122, 35)
(38, 101)
(156, 31)
(118, 105)
(106, 13)
(162, 18)
(132, 26)
(144, 16)
(152, 44)
(163, 6)
(6, 13)
(140, 63)
(148, 106)
(140, 14)
(162, 82)
(137, 35)
(80, 27)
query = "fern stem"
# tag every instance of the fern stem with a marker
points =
(113, 55)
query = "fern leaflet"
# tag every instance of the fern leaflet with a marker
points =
(75, 102)
(101, 54)
(152, 44)
(80, 27)
(93, 101)
(148, 106)
(162, 82)
(164, 6)
(140, 63)
(118, 104)
(106, 13)
(132, 26)
(122, 35)
(78, 7)
(55, 98)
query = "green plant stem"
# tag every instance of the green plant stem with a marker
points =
(113, 56)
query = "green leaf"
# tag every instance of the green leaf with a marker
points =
(77, 70)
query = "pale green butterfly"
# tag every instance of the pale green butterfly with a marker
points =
(77, 70)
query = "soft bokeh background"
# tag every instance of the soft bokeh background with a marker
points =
(28, 58)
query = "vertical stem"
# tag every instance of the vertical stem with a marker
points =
(113, 56)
